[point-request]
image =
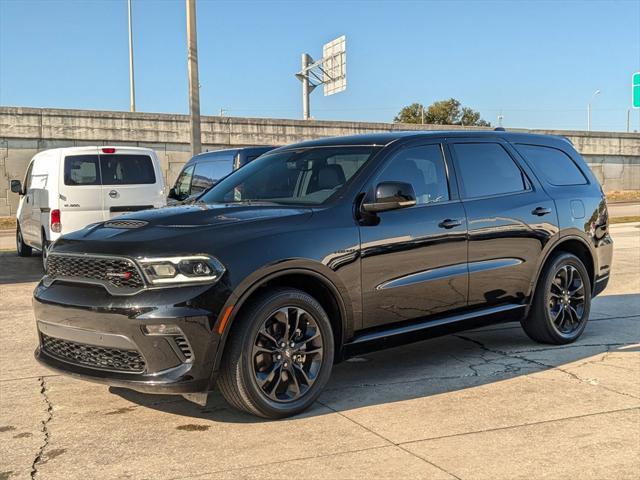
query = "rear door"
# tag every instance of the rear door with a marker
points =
(131, 181)
(80, 196)
(510, 216)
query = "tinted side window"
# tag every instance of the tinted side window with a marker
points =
(555, 166)
(486, 169)
(127, 170)
(424, 168)
(81, 170)
(209, 173)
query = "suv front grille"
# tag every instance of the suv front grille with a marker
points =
(105, 358)
(118, 272)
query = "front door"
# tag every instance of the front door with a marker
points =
(510, 218)
(414, 259)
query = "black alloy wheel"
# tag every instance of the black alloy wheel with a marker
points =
(562, 301)
(279, 354)
(566, 299)
(287, 354)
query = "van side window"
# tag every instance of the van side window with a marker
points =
(555, 166)
(183, 184)
(423, 167)
(486, 169)
(81, 170)
(209, 173)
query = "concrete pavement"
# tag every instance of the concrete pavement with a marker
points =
(626, 209)
(488, 403)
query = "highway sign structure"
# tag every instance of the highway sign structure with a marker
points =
(635, 90)
(330, 71)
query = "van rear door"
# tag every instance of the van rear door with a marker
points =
(80, 190)
(131, 181)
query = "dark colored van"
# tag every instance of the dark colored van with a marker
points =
(206, 169)
(325, 249)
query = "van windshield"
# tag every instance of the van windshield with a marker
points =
(307, 176)
(120, 169)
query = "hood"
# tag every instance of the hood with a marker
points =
(198, 226)
(204, 215)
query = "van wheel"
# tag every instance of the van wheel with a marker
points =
(562, 301)
(45, 251)
(279, 356)
(23, 249)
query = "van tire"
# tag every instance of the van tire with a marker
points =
(45, 250)
(23, 249)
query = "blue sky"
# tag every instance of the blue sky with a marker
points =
(537, 62)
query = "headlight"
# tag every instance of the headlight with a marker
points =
(182, 270)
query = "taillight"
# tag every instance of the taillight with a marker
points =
(108, 150)
(56, 224)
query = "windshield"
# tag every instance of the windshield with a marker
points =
(307, 176)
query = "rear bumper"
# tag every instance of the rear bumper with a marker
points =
(86, 333)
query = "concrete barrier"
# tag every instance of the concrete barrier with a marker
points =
(614, 157)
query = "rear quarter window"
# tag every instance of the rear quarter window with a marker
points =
(553, 165)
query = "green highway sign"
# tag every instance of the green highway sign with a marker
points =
(635, 90)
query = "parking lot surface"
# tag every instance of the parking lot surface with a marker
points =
(487, 403)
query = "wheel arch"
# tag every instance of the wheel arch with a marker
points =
(318, 285)
(575, 245)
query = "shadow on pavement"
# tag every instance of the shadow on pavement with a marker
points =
(15, 269)
(428, 368)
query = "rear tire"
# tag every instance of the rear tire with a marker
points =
(23, 249)
(279, 354)
(45, 251)
(561, 303)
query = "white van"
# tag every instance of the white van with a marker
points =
(66, 189)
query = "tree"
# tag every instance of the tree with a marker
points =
(443, 112)
(411, 114)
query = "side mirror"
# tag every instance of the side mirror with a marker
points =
(16, 187)
(172, 193)
(391, 196)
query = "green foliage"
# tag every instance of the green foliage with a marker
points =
(443, 112)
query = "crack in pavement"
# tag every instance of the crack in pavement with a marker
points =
(399, 445)
(44, 429)
(542, 364)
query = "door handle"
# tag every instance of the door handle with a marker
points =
(540, 211)
(449, 223)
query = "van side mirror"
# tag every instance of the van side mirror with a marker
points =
(391, 196)
(172, 193)
(16, 187)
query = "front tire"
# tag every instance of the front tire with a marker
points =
(279, 356)
(562, 301)
(23, 249)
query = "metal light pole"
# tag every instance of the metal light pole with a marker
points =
(132, 85)
(597, 92)
(194, 86)
(306, 90)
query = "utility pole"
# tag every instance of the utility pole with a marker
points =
(132, 85)
(597, 92)
(628, 119)
(422, 113)
(306, 90)
(194, 85)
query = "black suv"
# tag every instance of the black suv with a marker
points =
(326, 249)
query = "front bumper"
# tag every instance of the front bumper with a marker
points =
(87, 333)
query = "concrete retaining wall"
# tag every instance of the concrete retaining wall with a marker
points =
(614, 157)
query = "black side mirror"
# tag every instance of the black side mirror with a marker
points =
(172, 193)
(391, 196)
(16, 187)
